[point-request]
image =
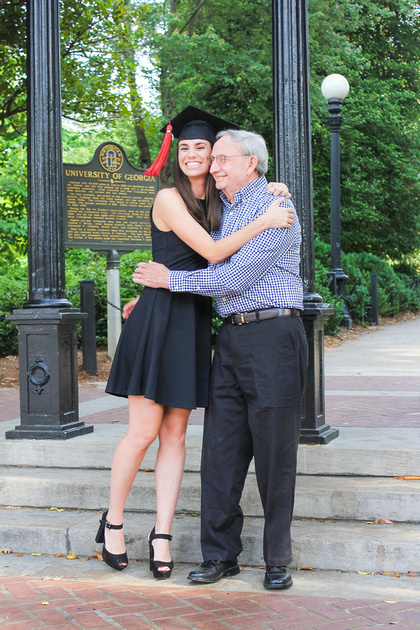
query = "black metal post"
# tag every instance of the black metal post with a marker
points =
(45, 162)
(374, 315)
(87, 304)
(337, 277)
(47, 324)
(293, 165)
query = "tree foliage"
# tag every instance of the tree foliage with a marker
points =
(205, 53)
(221, 60)
(377, 47)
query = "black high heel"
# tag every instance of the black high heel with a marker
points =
(116, 561)
(155, 565)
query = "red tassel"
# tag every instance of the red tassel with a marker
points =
(155, 168)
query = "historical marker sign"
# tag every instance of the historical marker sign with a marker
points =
(107, 202)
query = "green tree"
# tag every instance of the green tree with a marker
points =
(376, 45)
(218, 59)
(98, 64)
(98, 68)
(13, 63)
(13, 196)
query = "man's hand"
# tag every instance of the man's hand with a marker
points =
(152, 274)
(127, 308)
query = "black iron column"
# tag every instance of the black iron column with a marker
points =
(293, 165)
(47, 323)
(45, 161)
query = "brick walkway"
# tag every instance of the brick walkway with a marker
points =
(351, 401)
(29, 604)
(88, 601)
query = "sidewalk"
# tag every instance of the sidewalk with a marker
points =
(372, 383)
(56, 593)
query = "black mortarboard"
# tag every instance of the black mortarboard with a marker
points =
(190, 124)
(193, 122)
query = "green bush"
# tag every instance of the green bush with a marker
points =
(357, 288)
(82, 264)
(331, 323)
(13, 291)
(396, 291)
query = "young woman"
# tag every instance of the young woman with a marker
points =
(162, 362)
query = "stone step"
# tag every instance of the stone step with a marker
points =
(345, 546)
(356, 452)
(320, 497)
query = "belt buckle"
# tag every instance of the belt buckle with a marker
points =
(242, 319)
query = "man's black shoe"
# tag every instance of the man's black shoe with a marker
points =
(277, 577)
(213, 570)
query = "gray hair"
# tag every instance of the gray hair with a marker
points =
(251, 144)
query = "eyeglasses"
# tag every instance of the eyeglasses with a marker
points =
(222, 159)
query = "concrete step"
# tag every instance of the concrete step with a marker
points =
(320, 497)
(356, 452)
(345, 546)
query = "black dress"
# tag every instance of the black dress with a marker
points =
(164, 351)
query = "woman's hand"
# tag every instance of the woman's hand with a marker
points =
(279, 217)
(127, 308)
(278, 190)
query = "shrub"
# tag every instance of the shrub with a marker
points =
(13, 291)
(396, 291)
(84, 264)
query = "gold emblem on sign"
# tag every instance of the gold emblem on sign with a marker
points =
(111, 158)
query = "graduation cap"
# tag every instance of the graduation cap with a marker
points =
(190, 124)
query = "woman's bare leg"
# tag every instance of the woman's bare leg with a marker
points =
(169, 470)
(145, 420)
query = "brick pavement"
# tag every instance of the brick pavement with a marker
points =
(30, 604)
(351, 401)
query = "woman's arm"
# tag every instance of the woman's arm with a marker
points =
(170, 210)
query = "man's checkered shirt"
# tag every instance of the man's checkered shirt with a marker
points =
(263, 273)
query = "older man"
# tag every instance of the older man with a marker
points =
(258, 371)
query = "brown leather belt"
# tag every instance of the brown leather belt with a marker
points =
(237, 319)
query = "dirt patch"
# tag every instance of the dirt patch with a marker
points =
(9, 369)
(9, 366)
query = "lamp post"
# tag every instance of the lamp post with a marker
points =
(335, 88)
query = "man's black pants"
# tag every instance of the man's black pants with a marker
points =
(257, 380)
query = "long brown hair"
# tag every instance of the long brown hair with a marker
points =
(213, 205)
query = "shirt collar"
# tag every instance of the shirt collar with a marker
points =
(257, 185)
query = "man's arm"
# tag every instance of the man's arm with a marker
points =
(232, 277)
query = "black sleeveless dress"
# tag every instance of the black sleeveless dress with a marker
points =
(164, 351)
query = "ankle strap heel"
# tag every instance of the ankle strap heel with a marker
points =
(116, 561)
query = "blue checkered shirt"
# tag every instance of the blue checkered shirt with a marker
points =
(263, 273)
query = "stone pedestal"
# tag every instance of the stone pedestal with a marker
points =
(314, 430)
(49, 404)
